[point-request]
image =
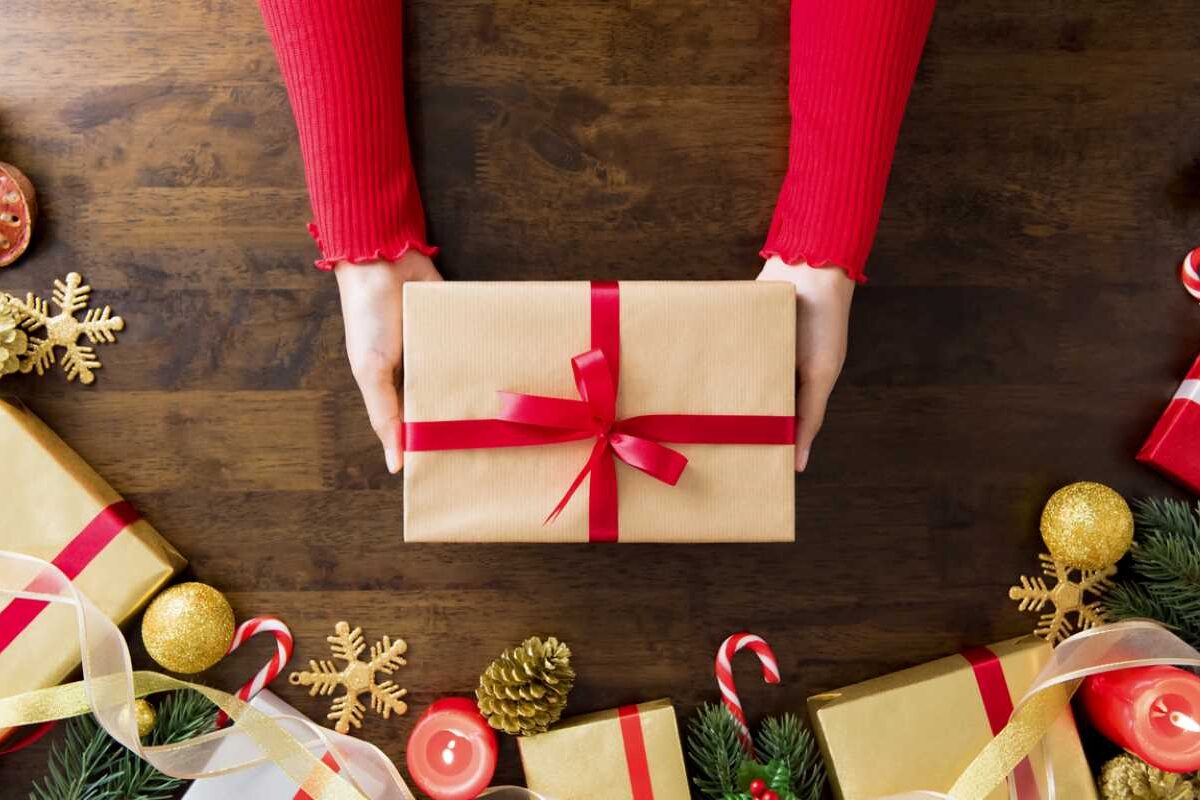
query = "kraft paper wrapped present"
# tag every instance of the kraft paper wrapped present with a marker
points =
(920, 728)
(56, 507)
(1174, 445)
(693, 383)
(626, 753)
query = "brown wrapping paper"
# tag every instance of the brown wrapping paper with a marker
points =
(686, 348)
(921, 727)
(49, 495)
(583, 758)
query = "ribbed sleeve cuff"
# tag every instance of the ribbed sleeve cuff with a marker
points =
(851, 68)
(343, 65)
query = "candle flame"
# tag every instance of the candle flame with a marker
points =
(1184, 722)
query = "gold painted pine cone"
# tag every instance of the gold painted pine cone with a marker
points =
(13, 341)
(524, 691)
(1127, 777)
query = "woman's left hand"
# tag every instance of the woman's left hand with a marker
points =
(823, 298)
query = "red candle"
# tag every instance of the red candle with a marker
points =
(452, 751)
(1153, 712)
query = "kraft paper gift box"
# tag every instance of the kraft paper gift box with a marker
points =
(1174, 445)
(706, 369)
(55, 507)
(627, 753)
(921, 727)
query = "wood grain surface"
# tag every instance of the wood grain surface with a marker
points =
(1023, 326)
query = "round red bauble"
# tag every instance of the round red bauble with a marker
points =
(770, 795)
(757, 787)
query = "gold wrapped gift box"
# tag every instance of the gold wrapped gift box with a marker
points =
(685, 348)
(56, 507)
(620, 754)
(921, 727)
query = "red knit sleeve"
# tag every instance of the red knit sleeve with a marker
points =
(343, 65)
(852, 65)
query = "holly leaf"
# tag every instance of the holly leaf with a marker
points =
(776, 774)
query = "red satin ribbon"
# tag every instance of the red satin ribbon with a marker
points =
(72, 559)
(528, 420)
(636, 760)
(997, 703)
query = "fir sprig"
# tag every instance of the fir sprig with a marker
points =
(787, 756)
(1166, 563)
(87, 764)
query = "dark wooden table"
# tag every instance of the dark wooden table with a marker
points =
(1023, 327)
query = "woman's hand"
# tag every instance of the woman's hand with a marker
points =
(822, 322)
(373, 312)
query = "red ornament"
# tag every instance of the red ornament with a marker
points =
(757, 787)
(452, 750)
(18, 209)
(770, 794)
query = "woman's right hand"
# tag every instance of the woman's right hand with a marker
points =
(373, 313)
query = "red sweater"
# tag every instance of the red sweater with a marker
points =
(852, 65)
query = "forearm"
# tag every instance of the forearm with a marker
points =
(343, 65)
(852, 65)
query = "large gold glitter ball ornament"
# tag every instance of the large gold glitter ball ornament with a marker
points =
(188, 628)
(1087, 525)
(146, 717)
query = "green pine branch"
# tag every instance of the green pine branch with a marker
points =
(787, 740)
(716, 751)
(87, 764)
(1166, 566)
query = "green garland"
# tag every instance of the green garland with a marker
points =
(1166, 567)
(88, 764)
(787, 757)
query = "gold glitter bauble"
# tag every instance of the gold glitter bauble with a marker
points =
(188, 628)
(1087, 525)
(146, 717)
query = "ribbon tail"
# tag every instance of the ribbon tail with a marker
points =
(652, 458)
(597, 451)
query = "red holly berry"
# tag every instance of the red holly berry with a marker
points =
(757, 787)
(769, 795)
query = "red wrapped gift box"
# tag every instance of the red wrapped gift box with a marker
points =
(1174, 446)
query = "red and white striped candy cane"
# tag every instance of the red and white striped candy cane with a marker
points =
(1189, 274)
(724, 668)
(283, 652)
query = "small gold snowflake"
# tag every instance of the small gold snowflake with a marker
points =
(357, 676)
(1067, 597)
(63, 329)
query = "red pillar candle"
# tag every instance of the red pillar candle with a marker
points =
(452, 751)
(1153, 712)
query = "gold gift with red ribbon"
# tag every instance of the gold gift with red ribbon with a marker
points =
(56, 508)
(626, 753)
(575, 412)
(920, 728)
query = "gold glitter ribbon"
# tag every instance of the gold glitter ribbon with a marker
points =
(1121, 645)
(110, 686)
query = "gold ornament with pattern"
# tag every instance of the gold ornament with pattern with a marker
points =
(357, 677)
(147, 717)
(1067, 597)
(63, 330)
(524, 691)
(13, 341)
(1087, 525)
(188, 628)
(1127, 777)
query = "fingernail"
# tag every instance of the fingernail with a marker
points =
(802, 460)
(393, 460)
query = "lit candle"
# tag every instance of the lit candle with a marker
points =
(1153, 712)
(452, 751)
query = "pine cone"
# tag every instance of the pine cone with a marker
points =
(13, 341)
(524, 691)
(1127, 777)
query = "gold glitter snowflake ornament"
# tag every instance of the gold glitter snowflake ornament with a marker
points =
(1066, 596)
(357, 677)
(63, 329)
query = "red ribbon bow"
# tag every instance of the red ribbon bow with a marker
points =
(527, 420)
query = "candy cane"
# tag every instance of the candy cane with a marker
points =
(770, 670)
(283, 652)
(1189, 275)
